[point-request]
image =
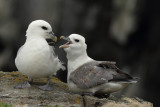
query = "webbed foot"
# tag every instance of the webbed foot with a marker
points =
(46, 87)
(23, 85)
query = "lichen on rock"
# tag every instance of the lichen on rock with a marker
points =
(59, 97)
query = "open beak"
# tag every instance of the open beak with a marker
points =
(52, 36)
(66, 45)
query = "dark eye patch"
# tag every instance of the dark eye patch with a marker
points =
(44, 28)
(76, 40)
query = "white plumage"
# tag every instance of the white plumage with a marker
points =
(36, 58)
(86, 75)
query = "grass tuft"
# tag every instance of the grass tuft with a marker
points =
(5, 105)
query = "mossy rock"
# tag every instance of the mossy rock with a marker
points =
(58, 97)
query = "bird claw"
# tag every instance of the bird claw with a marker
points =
(46, 87)
(23, 85)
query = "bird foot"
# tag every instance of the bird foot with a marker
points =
(46, 87)
(23, 85)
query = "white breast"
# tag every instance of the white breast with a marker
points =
(73, 65)
(35, 59)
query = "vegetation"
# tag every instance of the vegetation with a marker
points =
(5, 105)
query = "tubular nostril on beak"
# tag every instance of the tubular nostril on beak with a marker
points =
(51, 33)
(65, 38)
(53, 37)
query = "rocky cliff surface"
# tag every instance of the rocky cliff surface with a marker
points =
(59, 97)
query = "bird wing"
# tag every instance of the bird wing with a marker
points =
(18, 53)
(52, 50)
(96, 73)
(59, 63)
(19, 49)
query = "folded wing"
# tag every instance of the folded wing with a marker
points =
(96, 73)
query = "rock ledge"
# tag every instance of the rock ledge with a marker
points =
(59, 97)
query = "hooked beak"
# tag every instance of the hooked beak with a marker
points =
(65, 38)
(66, 45)
(52, 36)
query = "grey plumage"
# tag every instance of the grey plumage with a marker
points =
(96, 73)
(86, 75)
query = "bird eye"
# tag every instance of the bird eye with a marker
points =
(76, 40)
(44, 28)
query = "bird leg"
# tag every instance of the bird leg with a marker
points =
(30, 80)
(47, 86)
(23, 85)
(26, 84)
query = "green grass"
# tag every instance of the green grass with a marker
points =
(56, 106)
(5, 105)
(49, 106)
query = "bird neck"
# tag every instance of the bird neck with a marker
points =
(36, 41)
(77, 56)
(74, 61)
(30, 34)
(31, 37)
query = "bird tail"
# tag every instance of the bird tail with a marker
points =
(132, 81)
(135, 79)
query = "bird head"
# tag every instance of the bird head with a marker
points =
(41, 28)
(75, 44)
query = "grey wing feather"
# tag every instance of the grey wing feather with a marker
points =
(96, 73)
